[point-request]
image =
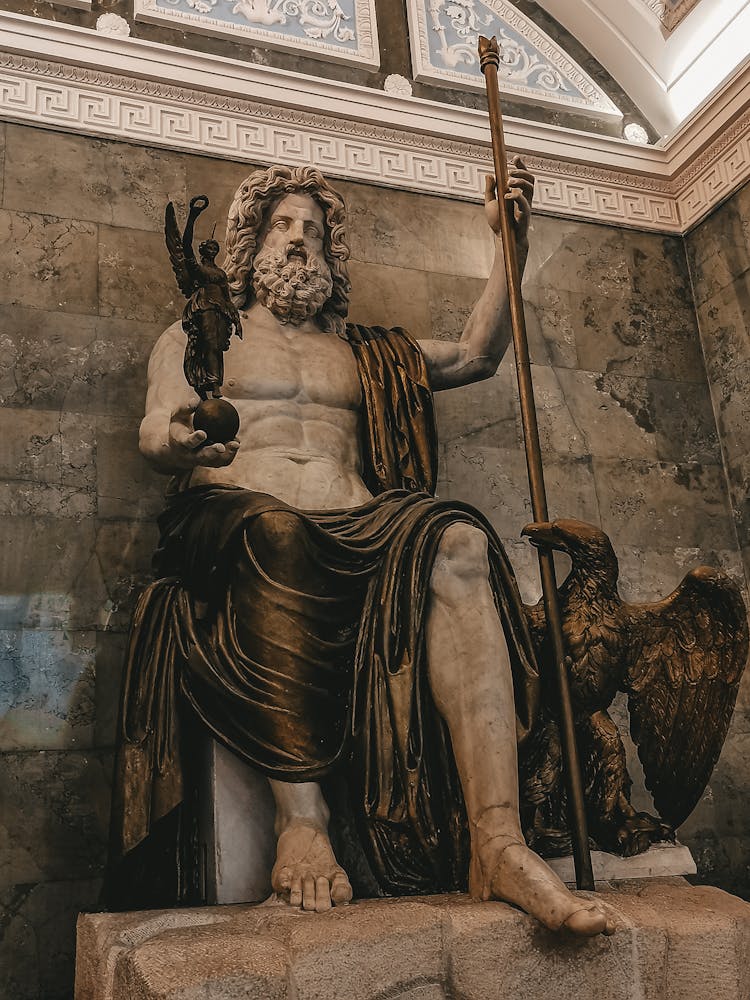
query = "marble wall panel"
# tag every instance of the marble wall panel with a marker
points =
(2, 157)
(549, 313)
(127, 488)
(719, 258)
(123, 551)
(47, 689)
(47, 446)
(385, 230)
(650, 572)
(626, 416)
(110, 657)
(37, 947)
(389, 296)
(76, 177)
(631, 306)
(451, 300)
(52, 265)
(717, 248)
(72, 362)
(724, 320)
(418, 231)
(49, 578)
(135, 277)
(218, 180)
(486, 413)
(495, 480)
(55, 815)
(671, 505)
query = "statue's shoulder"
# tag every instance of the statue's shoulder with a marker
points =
(169, 346)
(172, 338)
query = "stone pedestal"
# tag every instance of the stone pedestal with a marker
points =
(673, 942)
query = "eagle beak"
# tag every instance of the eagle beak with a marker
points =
(542, 535)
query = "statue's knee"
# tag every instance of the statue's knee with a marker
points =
(277, 534)
(461, 561)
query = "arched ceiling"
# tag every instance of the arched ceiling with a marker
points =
(668, 55)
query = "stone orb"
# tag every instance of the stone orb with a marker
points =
(218, 418)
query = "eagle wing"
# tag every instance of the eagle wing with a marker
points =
(185, 268)
(685, 658)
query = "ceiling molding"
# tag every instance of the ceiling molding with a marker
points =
(667, 73)
(359, 133)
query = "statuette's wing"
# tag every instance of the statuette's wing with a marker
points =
(686, 657)
(185, 268)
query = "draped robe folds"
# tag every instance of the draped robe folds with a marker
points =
(298, 639)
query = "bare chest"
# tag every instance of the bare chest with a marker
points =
(270, 365)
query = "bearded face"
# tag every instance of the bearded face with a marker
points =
(293, 283)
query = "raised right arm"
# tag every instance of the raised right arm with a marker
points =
(167, 439)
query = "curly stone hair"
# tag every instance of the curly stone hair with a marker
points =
(253, 201)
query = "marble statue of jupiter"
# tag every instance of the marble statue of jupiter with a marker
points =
(316, 607)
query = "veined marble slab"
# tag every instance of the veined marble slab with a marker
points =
(658, 861)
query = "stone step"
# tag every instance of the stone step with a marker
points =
(673, 941)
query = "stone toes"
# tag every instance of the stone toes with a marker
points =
(341, 891)
(588, 922)
(281, 880)
(322, 894)
(295, 891)
(308, 893)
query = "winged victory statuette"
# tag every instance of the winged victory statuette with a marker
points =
(209, 320)
(679, 660)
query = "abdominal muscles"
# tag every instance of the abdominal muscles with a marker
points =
(307, 456)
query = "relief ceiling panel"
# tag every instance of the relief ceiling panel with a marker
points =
(444, 36)
(342, 31)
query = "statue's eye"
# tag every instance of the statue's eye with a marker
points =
(281, 224)
(312, 230)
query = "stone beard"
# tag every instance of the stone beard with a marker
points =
(291, 283)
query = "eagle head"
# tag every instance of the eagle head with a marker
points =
(590, 551)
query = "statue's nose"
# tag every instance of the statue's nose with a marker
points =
(297, 233)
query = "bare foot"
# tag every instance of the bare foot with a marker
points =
(503, 867)
(306, 872)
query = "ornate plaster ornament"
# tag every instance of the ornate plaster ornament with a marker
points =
(397, 85)
(670, 12)
(634, 132)
(112, 24)
(444, 35)
(344, 31)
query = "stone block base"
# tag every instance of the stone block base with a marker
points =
(673, 942)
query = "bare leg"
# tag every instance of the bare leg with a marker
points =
(472, 686)
(306, 871)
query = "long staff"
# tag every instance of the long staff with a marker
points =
(489, 57)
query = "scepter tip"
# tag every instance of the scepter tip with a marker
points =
(489, 52)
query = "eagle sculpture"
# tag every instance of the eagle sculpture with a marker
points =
(679, 661)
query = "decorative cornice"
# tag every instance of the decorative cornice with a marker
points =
(715, 175)
(668, 188)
